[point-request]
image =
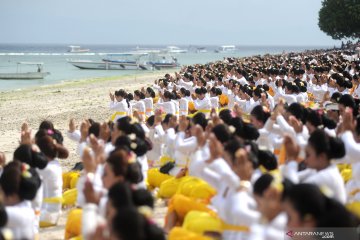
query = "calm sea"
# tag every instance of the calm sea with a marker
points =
(55, 58)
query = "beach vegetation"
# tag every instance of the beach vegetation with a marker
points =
(340, 18)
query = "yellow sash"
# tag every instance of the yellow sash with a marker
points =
(235, 228)
(53, 200)
(354, 192)
(112, 118)
(202, 111)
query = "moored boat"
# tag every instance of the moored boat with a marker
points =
(39, 74)
(226, 48)
(78, 49)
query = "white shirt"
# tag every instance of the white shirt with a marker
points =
(204, 104)
(52, 188)
(149, 106)
(168, 107)
(20, 220)
(214, 102)
(328, 179)
(121, 106)
(183, 107)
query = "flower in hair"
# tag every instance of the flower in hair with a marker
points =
(25, 171)
(132, 136)
(145, 211)
(50, 132)
(133, 145)
(232, 129)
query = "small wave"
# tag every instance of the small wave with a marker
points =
(15, 54)
(46, 54)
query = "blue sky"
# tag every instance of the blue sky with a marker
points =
(207, 22)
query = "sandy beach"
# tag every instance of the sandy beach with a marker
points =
(88, 98)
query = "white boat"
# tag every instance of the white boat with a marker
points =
(106, 65)
(226, 48)
(174, 49)
(128, 61)
(201, 50)
(161, 61)
(77, 49)
(39, 74)
(116, 61)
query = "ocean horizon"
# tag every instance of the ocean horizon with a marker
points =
(55, 56)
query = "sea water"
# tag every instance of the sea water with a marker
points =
(55, 59)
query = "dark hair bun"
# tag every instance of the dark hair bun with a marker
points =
(17, 180)
(25, 154)
(51, 149)
(337, 148)
(267, 159)
(138, 145)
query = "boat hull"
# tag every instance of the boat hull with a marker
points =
(107, 65)
(29, 75)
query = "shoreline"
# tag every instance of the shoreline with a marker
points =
(82, 81)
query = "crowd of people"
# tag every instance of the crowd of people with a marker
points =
(245, 148)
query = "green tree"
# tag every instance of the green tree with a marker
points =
(340, 18)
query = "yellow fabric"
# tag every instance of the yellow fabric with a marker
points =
(70, 179)
(191, 107)
(343, 166)
(282, 155)
(43, 224)
(165, 159)
(354, 208)
(351, 91)
(201, 222)
(178, 233)
(271, 91)
(205, 111)
(69, 197)
(277, 151)
(195, 188)
(53, 200)
(346, 174)
(155, 177)
(73, 224)
(182, 205)
(66, 180)
(169, 187)
(187, 185)
(112, 118)
(345, 171)
(223, 100)
(74, 179)
(229, 227)
(76, 238)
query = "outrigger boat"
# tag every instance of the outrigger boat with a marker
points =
(39, 74)
(128, 61)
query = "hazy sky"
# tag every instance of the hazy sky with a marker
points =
(239, 22)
